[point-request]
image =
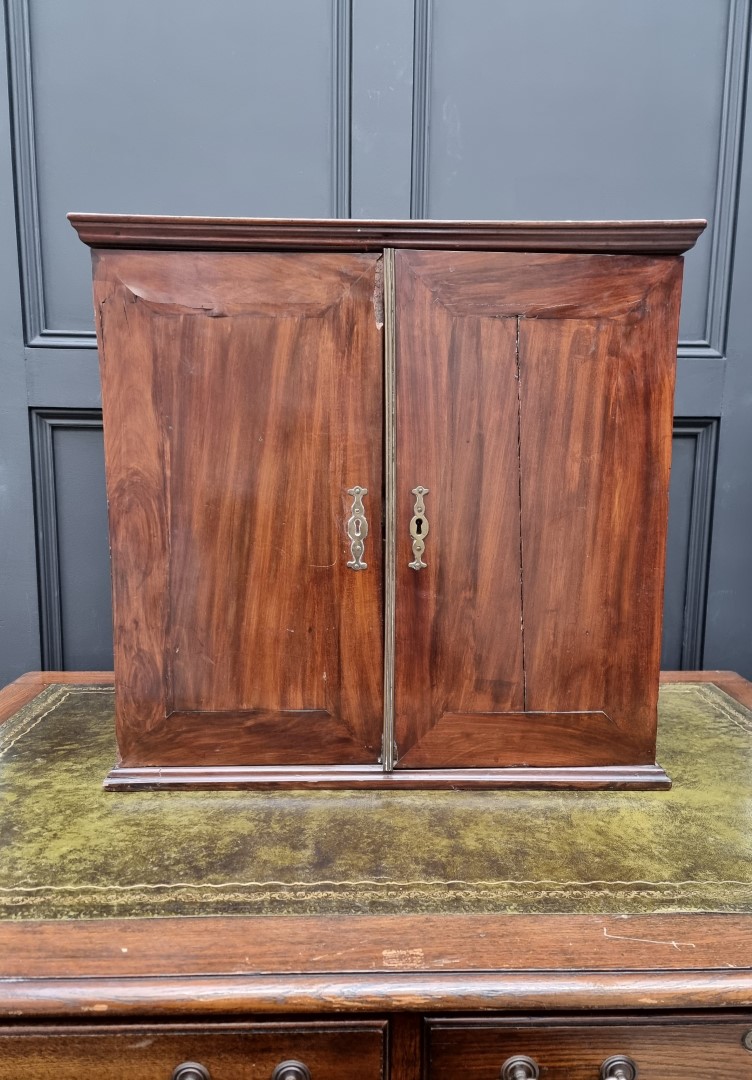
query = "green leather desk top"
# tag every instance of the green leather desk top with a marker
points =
(70, 850)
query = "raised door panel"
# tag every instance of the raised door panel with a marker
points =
(596, 398)
(243, 399)
(534, 402)
(458, 640)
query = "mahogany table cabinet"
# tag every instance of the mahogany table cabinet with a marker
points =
(388, 500)
(361, 935)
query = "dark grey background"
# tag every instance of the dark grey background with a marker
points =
(431, 108)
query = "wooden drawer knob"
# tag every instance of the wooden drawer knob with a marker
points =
(519, 1067)
(191, 1070)
(618, 1067)
(291, 1070)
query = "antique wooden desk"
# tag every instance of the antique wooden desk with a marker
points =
(373, 934)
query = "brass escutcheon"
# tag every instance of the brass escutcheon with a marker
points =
(357, 529)
(419, 528)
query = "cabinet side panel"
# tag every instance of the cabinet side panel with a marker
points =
(595, 449)
(266, 371)
(458, 630)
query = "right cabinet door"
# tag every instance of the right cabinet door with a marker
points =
(533, 407)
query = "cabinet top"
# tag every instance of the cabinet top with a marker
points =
(341, 234)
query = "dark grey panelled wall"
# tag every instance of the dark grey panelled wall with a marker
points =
(485, 108)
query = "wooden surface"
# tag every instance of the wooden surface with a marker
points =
(396, 947)
(508, 285)
(663, 1049)
(629, 237)
(596, 398)
(376, 962)
(458, 641)
(347, 1050)
(242, 397)
(374, 778)
(575, 1048)
(543, 433)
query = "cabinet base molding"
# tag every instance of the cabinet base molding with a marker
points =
(129, 778)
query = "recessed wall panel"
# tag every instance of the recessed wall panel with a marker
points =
(175, 108)
(584, 109)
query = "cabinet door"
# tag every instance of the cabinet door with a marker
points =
(242, 400)
(534, 398)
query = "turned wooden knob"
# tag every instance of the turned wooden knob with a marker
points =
(618, 1067)
(190, 1070)
(519, 1067)
(291, 1070)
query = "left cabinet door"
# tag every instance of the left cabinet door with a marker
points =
(242, 399)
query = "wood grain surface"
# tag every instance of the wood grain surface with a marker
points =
(512, 284)
(427, 944)
(458, 636)
(242, 397)
(143, 231)
(272, 965)
(596, 399)
(343, 992)
(374, 778)
(666, 1048)
(347, 1050)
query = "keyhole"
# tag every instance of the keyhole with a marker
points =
(357, 527)
(419, 525)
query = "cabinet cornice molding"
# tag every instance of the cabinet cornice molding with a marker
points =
(321, 234)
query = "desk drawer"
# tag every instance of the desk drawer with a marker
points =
(667, 1048)
(330, 1051)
